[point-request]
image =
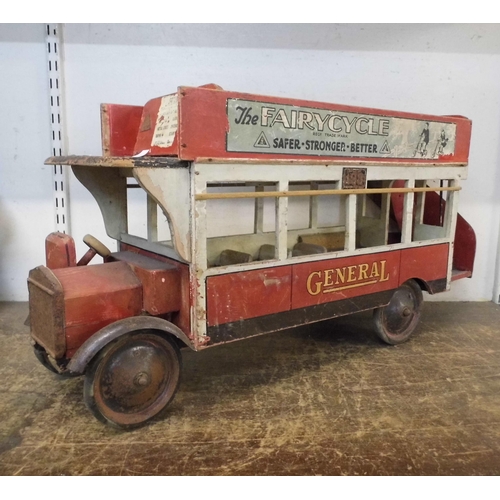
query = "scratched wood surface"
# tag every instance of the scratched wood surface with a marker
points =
(328, 399)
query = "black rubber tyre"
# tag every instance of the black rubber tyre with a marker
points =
(395, 322)
(133, 379)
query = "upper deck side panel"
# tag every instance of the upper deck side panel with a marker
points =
(230, 125)
(119, 127)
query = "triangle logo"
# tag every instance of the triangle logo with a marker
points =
(262, 141)
(385, 149)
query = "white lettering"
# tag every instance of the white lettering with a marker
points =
(304, 118)
(383, 127)
(331, 123)
(321, 121)
(280, 117)
(359, 121)
(348, 124)
(265, 115)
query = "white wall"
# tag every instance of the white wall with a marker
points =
(436, 69)
(26, 215)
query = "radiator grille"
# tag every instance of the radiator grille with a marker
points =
(46, 304)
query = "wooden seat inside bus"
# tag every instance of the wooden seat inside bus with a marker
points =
(307, 249)
(266, 252)
(230, 257)
(330, 241)
(245, 248)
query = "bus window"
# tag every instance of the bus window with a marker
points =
(431, 211)
(157, 219)
(247, 228)
(326, 224)
(145, 219)
(226, 217)
(375, 222)
(136, 209)
(428, 214)
(265, 211)
(331, 208)
(298, 207)
(240, 230)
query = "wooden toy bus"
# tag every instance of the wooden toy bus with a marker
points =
(260, 214)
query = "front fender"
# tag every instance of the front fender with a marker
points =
(105, 335)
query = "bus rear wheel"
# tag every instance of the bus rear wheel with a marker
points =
(395, 322)
(133, 379)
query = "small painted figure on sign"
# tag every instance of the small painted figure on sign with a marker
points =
(423, 141)
(443, 140)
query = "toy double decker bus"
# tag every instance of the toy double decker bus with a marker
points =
(258, 214)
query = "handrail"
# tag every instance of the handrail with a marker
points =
(323, 192)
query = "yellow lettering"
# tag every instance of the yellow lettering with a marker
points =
(340, 275)
(351, 277)
(316, 284)
(323, 281)
(374, 272)
(328, 277)
(363, 270)
(382, 271)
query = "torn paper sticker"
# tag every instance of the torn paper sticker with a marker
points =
(167, 122)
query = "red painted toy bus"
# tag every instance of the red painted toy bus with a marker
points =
(259, 214)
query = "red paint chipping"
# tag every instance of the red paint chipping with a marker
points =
(248, 294)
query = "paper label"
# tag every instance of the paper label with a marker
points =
(167, 122)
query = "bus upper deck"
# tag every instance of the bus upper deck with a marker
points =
(303, 181)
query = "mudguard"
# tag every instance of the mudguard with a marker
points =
(103, 337)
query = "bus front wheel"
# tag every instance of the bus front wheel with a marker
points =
(395, 322)
(133, 379)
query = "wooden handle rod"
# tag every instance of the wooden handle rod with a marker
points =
(322, 192)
